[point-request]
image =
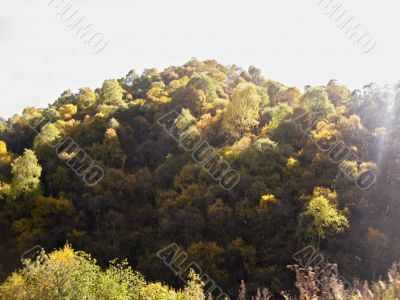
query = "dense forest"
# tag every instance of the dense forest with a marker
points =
(239, 173)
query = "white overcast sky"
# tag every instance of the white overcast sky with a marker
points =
(293, 42)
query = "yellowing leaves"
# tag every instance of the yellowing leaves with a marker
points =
(325, 131)
(87, 120)
(242, 113)
(267, 199)
(158, 95)
(204, 121)
(139, 102)
(3, 148)
(265, 130)
(159, 291)
(13, 288)
(4, 190)
(86, 98)
(325, 218)
(175, 84)
(16, 279)
(112, 93)
(243, 143)
(111, 133)
(163, 99)
(69, 127)
(5, 158)
(65, 254)
(154, 92)
(292, 163)
(67, 111)
(78, 276)
(327, 193)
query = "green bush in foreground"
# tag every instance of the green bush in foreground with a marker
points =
(69, 274)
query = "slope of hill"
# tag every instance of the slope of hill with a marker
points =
(240, 172)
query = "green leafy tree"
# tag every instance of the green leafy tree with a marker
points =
(48, 136)
(242, 113)
(338, 94)
(67, 97)
(278, 114)
(321, 218)
(276, 137)
(316, 101)
(111, 92)
(26, 173)
(68, 274)
(205, 84)
(86, 98)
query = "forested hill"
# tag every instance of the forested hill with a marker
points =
(240, 171)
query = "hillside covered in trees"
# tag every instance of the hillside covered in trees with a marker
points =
(239, 171)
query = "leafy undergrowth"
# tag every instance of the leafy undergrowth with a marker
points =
(70, 274)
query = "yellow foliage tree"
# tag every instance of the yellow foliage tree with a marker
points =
(158, 95)
(267, 199)
(67, 111)
(5, 157)
(242, 113)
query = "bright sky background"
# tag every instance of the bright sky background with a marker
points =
(293, 42)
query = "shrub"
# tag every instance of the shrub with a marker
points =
(69, 274)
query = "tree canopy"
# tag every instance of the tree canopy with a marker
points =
(316, 167)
